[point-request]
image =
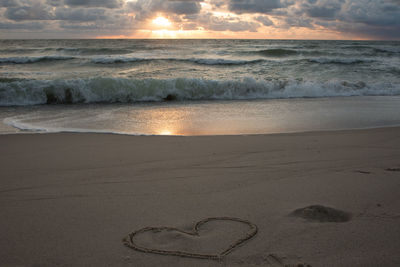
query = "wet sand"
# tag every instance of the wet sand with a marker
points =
(319, 198)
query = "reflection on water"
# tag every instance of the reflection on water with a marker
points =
(211, 118)
(206, 118)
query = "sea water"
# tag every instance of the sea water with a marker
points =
(198, 87)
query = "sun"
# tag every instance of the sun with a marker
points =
(165, 132)
(161, 21)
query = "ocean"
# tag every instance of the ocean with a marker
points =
(197, 87)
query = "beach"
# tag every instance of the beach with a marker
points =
(205, 133)
(69, 199)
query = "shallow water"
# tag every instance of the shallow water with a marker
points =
(217, 86)
(210, 117)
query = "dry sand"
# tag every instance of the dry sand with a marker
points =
(70, 199)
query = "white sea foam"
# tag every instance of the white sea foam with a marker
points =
(116, 59)
(20, 123)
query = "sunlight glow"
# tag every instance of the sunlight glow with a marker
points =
(162, 22)
(165, 132)
(164, 34)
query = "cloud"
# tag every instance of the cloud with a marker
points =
(79, 26)
(300, 22)
(217, 3)
(376, 19)
(36, 11)
(9, 3)
(80, 14)
(264, 20)
(254, 6)
(368, 12)
(183, 7)
(319, 9)
(21, 26)
(95, 3)
(55, 2)
(148, 8)
(210, 22)
(370, 18)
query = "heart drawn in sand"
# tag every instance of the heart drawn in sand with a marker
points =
(129, 241)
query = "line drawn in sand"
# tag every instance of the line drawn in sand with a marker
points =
(251, 232)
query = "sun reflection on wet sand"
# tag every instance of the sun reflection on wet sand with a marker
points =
(178, 119)
(163, 120)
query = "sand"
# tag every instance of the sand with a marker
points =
(320, 198)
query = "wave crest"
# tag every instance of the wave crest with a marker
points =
(344, 61)
(94, 51)
(200, 61)
(28, 60)
(111, 90)
(277, 52)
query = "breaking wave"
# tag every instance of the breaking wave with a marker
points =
(365, 51)
(123, 90)
(28, 60)
(94, 51)
(344, 61)
(277, 52)
(200, 61)
(20, 50)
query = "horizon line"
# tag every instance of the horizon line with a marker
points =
(271, 39)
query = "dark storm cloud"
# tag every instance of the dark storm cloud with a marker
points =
(80, 14)
(376, 13)
(358, 18)
(300, 22)
(264, 20)
(371, 18)
(254, 6)
(213, 23)
(218, 3)
(55, 2)
(323, 11)
(95, 3)
(148, 8)
(368, 18)
(8, 3)
(37, 11)
(40, 11)
(183, 7)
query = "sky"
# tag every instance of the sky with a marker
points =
(261, 19)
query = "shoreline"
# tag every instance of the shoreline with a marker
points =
(237, 118)
(33, 132)
(69, 199)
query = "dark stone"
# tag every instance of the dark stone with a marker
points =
(320, 213)
(68, 96)
(170, 97)
(50, 98)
